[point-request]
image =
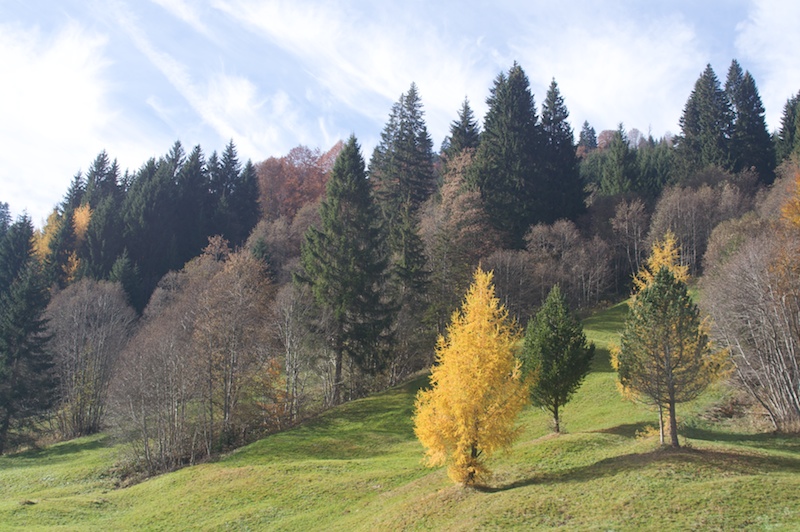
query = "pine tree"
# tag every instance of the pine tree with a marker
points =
(750, 143)
(26, 382)
(587, 139)
(618, 170)
(562, 180)
(787, 141)
(706, 126)
(401, 168)
(465, 132)
(476, 389)
(506, 169)
(345, 263)
(556, 355)
(664, 357)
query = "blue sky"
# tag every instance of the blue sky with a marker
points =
(131, 77)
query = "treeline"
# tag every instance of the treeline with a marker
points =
(198, 303)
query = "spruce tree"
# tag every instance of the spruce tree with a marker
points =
(26, 381)
(587, 139)
(465, 132)
(706, 126)
(750, 143)
(788, 138)
(345, 263)
(561, 175)
(506, 169)
(556, 355)
(618, 170)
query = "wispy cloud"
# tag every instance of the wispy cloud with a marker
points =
(768, 43)
(187, 13)
(230, 104)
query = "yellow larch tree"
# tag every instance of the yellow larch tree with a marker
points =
(477, 391)
(664, 253)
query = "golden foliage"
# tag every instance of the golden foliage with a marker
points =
(790, 211)
(476, 389)
(43, 237)
(664, 253)
(80, 223)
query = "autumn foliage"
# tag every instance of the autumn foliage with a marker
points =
(476, 389)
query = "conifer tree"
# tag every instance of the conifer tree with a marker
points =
(556, 355)
(476, 388)
(464, 132)
(507, 165)
(618, 169)
(401, 168)
(587, 139)
(706, 126)
(345, 263)
(750, 143)
(787, 141)
(26, 381)
(664, 356)
(562, 181)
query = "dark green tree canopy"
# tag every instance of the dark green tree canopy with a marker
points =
(556, 353)
(401, 168)
(750, 143)
(26, 382)
(507, 163)
(464, 132)
(787, 141)
(706, 126)
(562, 183)
(587, 139)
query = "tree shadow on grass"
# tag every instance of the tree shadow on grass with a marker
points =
(628, 430)
(700, 462)
(57, 452)
(765, 440)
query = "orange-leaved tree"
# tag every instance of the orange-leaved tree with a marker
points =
(664, 253)
(476, 388)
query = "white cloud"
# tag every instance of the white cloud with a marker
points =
(767, 44)
(366, 57)
(612, 68)
(53, 100)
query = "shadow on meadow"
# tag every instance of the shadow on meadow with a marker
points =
(59, 452)
(697, 463)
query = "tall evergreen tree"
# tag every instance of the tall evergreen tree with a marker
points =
(234, 193)
(345, 263)
(750, 143)
(561, 175)
(25, 379)
(5, 218)
(788, 138)
(401, 168)
(102, 181)
(706, 126)
(618, 166)
(506, 168)
(465, 132)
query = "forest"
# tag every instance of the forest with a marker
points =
(200, 302)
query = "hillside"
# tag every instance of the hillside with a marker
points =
(358, 467)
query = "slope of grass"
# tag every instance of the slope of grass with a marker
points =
(358, 467)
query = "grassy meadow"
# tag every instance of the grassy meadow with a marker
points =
(358, 467)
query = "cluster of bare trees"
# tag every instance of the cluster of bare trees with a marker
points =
(752, 291)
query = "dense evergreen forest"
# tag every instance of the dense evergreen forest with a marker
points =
(199, 302)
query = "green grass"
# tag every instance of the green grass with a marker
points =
(358, 467)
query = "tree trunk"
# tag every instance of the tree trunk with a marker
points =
(337, 376)
(6, 423)
(661, 424)
(673, 425)
(555, 419)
